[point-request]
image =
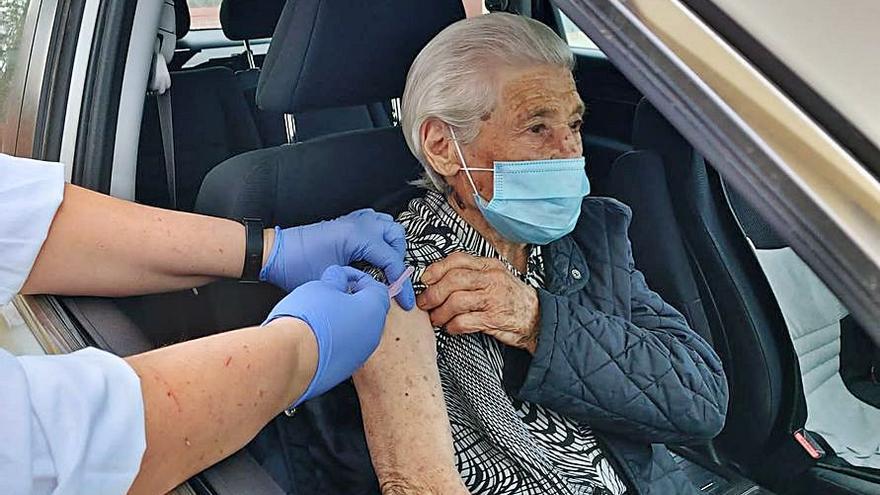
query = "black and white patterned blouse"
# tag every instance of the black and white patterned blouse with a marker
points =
(502, 445)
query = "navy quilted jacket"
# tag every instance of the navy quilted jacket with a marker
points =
(610, 353)
(613, 354)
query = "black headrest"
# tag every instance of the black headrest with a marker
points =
(181, 18)
(310, 181)
(249, 19)
(334, 53)
(651, 131)
(762, 235)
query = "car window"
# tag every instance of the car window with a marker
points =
(204, 14)
(473, 8)
(14, 48)
(575, 37)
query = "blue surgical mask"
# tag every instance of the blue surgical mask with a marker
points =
(535, 201)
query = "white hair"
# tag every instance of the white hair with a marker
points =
(452, 77)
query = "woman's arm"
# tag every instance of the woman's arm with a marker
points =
(652, 378)
(103, 246)
(404, 413)
(207, 398)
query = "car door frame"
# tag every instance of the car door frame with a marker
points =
(826, 239)
(655, 61)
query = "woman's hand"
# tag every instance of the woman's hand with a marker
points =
(346, 311)
(467, 294)
(301, 254)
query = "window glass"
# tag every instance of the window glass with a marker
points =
(13, 57)
(204, 14)
(473, 8)
(575, 37)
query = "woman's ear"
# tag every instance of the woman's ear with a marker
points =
(438, 147)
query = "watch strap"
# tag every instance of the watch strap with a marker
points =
(253, 249)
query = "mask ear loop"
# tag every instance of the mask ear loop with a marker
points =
(464, 165)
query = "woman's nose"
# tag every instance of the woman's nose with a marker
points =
(566, 143)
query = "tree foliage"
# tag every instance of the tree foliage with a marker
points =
(12, 16)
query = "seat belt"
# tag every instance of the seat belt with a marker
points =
(166, 126)
(160, 85)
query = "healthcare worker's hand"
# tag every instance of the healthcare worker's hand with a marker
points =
(346, 310)
(301, 254)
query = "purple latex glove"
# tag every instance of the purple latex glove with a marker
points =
(301, 254)
(346, 311)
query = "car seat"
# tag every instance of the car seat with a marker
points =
(814, 317)
(247, 20)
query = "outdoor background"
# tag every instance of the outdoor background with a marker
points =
(12, 14)
(205, 14)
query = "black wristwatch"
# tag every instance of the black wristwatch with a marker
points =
(253, 250)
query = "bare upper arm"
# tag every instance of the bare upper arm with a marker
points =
(405, 419)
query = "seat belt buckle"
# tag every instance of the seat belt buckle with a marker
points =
(810, 445)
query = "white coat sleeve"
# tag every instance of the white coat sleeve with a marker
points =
(30, 193)
(70, 424)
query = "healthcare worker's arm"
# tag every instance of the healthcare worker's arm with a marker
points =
(206, 399)
(79, 423)
(102, 246)
(90, 422)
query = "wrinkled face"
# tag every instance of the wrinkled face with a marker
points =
(538, 117)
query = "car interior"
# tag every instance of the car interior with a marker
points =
(309, 131)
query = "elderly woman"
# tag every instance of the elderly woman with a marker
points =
(540, 362)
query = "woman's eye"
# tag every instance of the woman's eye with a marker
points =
(537, 128)
(576, 125)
